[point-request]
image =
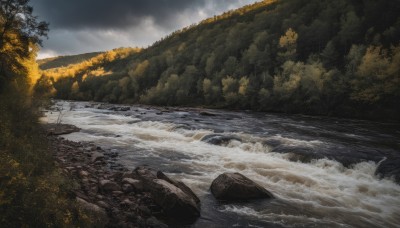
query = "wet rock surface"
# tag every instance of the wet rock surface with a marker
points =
(218, 139)
(265, 153)
(291, 153)
(175, 198)
(389, 168)
(205, 113)
(116, 195)
(60, 129)
(388, 160)
(235, 186)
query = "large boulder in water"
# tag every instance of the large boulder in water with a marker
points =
(235, 186)
(217, 139)
(205, 113)
(175, 198)
(389, 168)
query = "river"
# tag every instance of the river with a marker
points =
(321, 170)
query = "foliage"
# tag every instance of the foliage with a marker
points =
(20, 31)
(33, 192)
(304, 56)
(378, 75)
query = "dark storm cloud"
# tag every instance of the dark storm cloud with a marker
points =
(79, 14)
(78, 26)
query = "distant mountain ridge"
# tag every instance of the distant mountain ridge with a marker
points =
(318, 57)
(63, 61)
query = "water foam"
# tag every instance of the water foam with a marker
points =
(324, 190)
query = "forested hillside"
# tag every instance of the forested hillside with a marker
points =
(63, 61)
(300, 56)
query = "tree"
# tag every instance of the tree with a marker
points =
(263, 98)
(251, 58)
(354, 58)
(377, 76)
(243, 84)
(44, 87)
(230, 65)
(20, 30)
(188, 82)
(230, 87)
(288, 44)
(211, 91)
(124, 85)
(140, 69)
(350, 28)
(301, 54)
(210, 64)
(16, 17)
(330, 55)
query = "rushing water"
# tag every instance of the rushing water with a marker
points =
(321, 170)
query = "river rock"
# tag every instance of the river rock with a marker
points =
(235, 186)
(153, 222)
(83, 173)
(217, 139)
(96, 156)
(205, 113)
(122, 109)
(126, 203)
(109, 186)
(60, 129)
(101, 214)
(136, 184)
(179, 184)
(145, 174)
(130, 181)
(103, 204)
(389, 168)
(145, 210)
(129, 175)
(174, 201)
(117, 193)
(175, 198)
(127, 188)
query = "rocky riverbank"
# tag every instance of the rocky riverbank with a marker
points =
(105, 188)
(266, 148)
(142, 197)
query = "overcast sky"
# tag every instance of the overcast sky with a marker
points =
(80, 26)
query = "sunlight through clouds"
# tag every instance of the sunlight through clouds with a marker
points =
(131, 23)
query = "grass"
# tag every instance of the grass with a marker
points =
(33, 190)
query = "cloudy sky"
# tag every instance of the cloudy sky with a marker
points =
(80, 26)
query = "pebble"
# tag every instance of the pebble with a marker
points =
(100, 183)
(83, 173)
(155, 223)
(109, 186)
(103, 204)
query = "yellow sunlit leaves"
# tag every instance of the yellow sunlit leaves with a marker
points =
(289, 39)
(91, 66)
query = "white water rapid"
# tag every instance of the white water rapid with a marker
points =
(318, 193)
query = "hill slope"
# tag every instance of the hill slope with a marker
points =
(300, 56)
(63, 61)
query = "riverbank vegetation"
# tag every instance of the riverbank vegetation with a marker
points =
(33, 191)
(337, 58)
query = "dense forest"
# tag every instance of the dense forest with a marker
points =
(318, 57)
(33, 190)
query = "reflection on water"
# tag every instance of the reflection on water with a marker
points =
(321, 170)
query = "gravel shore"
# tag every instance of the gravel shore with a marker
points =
(105, 187)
